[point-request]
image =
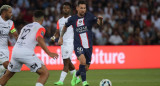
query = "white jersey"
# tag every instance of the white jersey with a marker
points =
(27, 39)
(68, 36)
(5, 28)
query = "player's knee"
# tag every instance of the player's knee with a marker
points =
(83, 62)
(71, 67)
(45, 73)
(5, 64)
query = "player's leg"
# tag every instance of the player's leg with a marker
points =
(3, 67)
(4, 79)
(14, 66)
(88, 55)
(3, 61)
(81, 71)
(36, 65)
(73, 70)
(64, 72)
(87, 67)
(43, 75)
(5, 64)
(71, 67)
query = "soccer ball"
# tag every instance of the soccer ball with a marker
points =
(105, 82)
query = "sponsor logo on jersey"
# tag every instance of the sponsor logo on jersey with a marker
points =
(81, 29)
(2, 34)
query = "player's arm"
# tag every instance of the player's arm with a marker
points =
(60, 41)
(40, 40)
(100, 20)
(56, 35)
(67, 24)
(14, 32)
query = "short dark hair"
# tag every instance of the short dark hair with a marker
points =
(38, 14)
(81, 2)
(66, 3)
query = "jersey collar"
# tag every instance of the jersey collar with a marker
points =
(1, 19)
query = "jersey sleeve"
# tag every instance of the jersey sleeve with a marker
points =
(13, 29)
(40, 32)
(69, 22)
(94, 19)
(58, 24)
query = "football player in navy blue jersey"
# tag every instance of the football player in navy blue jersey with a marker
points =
(82, 24)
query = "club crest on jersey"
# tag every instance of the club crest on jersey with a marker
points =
(42, 33)
(80, 22)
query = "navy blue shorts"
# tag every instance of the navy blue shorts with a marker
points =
(87, 53)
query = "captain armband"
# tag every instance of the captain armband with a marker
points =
(13, 30)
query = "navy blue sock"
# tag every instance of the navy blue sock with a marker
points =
(82, 72)
(78, 73)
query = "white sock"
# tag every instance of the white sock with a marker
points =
(73, 72)
(63, 76)
(39, 84)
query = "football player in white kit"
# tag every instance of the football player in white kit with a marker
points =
(6, 26)
(67, 47)
(23, 51)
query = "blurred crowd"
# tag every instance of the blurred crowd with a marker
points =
(126, 22)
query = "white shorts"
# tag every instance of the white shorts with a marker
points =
(66, 51)
(4, 56)
(31, 61)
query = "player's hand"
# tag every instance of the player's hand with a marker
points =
(53, 55)
(100, 17)
(53, 38)
(60, 41)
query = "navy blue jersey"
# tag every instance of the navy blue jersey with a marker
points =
(82, 29)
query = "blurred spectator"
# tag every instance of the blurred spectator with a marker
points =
(115, 39)
(24, 3)
(15, 10)
(137, 22)
(100, 36)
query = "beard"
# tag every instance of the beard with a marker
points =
(82, 14)
(8, 17)
(66, 13)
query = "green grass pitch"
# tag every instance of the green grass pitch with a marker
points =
(123, 77)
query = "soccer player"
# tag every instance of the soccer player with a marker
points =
(23, 51)
(67, 47)
(6, 26)
(82, 25)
